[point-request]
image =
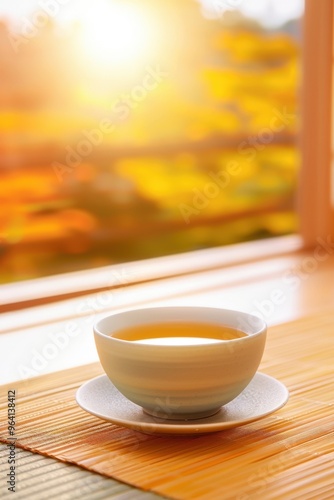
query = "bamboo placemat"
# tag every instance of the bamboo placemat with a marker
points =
(44, 478)
(287, 455)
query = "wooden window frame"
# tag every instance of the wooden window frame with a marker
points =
(316, 190)
(315, 205)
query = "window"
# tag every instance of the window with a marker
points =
(191, 145)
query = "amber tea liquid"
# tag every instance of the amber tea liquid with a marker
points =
(179, 333)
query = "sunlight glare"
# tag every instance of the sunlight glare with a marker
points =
(270, 13)
(114, 33)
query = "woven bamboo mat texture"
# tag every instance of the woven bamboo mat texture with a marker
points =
(288, 455)
(44, 478)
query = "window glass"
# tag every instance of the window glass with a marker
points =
(131, 130)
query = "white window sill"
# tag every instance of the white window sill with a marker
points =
(29, 293)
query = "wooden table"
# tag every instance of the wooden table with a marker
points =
(288, 455)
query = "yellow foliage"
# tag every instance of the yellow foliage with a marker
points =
(251, 47)
(280, 223)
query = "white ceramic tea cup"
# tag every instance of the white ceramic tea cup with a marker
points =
(180, 381)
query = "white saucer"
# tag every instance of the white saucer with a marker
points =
(262, 396)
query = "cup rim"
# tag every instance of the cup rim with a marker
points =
(245, 315)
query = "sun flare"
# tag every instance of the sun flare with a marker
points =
(115, 33)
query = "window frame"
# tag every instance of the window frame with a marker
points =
(315, 206)
(316, 189)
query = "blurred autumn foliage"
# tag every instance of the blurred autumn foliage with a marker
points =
(204, 157)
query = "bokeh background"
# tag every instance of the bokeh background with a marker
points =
(135, 129)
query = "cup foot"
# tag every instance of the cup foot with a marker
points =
(169, 415)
